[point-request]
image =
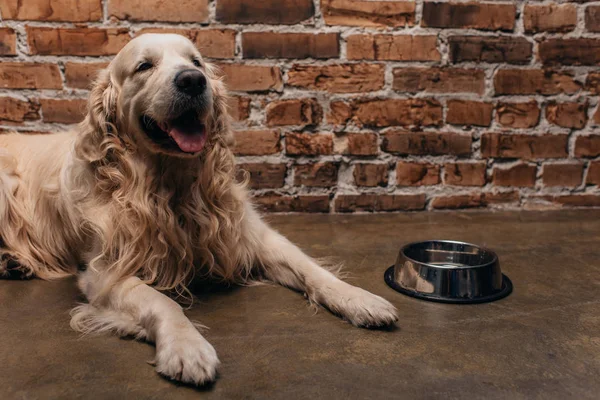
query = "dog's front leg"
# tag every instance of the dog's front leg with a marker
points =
(284, 263)
(133, 308)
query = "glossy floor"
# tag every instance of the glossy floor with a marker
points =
(543, 341)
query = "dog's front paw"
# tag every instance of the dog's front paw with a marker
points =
(186, 357)
(359, 307)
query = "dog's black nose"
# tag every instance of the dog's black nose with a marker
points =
(191, 82)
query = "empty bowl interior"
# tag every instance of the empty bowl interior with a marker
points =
(446, 254)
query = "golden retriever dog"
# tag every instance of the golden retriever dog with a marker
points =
(141, 197)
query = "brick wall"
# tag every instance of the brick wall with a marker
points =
(353, 105)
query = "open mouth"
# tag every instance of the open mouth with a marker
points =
(182, 134)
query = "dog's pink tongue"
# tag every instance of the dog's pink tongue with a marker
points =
(189, 142)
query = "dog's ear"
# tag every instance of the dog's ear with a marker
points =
(103, 102)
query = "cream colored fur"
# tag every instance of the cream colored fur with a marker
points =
(140, 220)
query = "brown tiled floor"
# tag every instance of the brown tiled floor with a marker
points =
(543, 341)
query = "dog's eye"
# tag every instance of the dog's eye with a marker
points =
(196, 63)
(144, 66)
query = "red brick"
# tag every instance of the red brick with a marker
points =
(597, 116)
(550, 18)
(339, 78)
(417, 174)
(454, 202)
(64, 111)
(426, 143)
(239, 108)
(339, 112)
(567, 115)
(379, 202)
(512, 50)
(159, 10)
(294, 112)
(323, 174)
(368, 13)
(534, 81)
(520, 175)
(592, 18)
(308, 144)
(52, 10)
(491, 198)
(15, 110)
(256, 143)
(580, 51)
(593, 174)
(284, 12)
(465, 173)
(562, 174)
(439, 80)
(280, 203)
(507, 145)
(577, 200)
(394, 112)
(76, 41)
(251, 78)
(592, 83)
(356, 144)
(212, 43)
(465, 112)
(370, 175)
(263, 176)
(518, 115)
(81, 75)
(16, 75)
(8, 42)
(587, 146)
(393, 48)
(290, 45)
(485, 16)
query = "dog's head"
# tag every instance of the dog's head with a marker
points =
(161, 95)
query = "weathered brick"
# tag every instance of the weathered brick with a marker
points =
(65, 111)
(8, 42)
(76, 41)
(534, 81)
(323, 174)
(491, 198)
(402, 112)
(239, 108)
(507, 145)
(593, 173)
(520, 175)
(592, 18)
(285, 12)
(273, 202)
(465, 173)
(562, 174)
(370, 175)
(308, 144)
(52, 10)
(512, 50)
(263, 176)
(587, 146)
(417, 174)
(290, 45)
(251, 78)
(567, 115)
(17, 75)
(592, 83)
(339, 112)
(466, 112)
(426, 143)
(484, 16)
(580, 51)
(368, 13)
(393, 47)
(439, 80)
(339, 78)
(159, 10)
(256, 142)
(518, 115)
(577, 200)
(379, 202)
(550, 18)
(454, 202)
(356, 144)
(294, 112)
(81, 75)
(15, 110)
(212, 43)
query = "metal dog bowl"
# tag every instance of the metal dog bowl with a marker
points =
(448, 272)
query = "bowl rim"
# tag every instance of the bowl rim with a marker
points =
(484, 248)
